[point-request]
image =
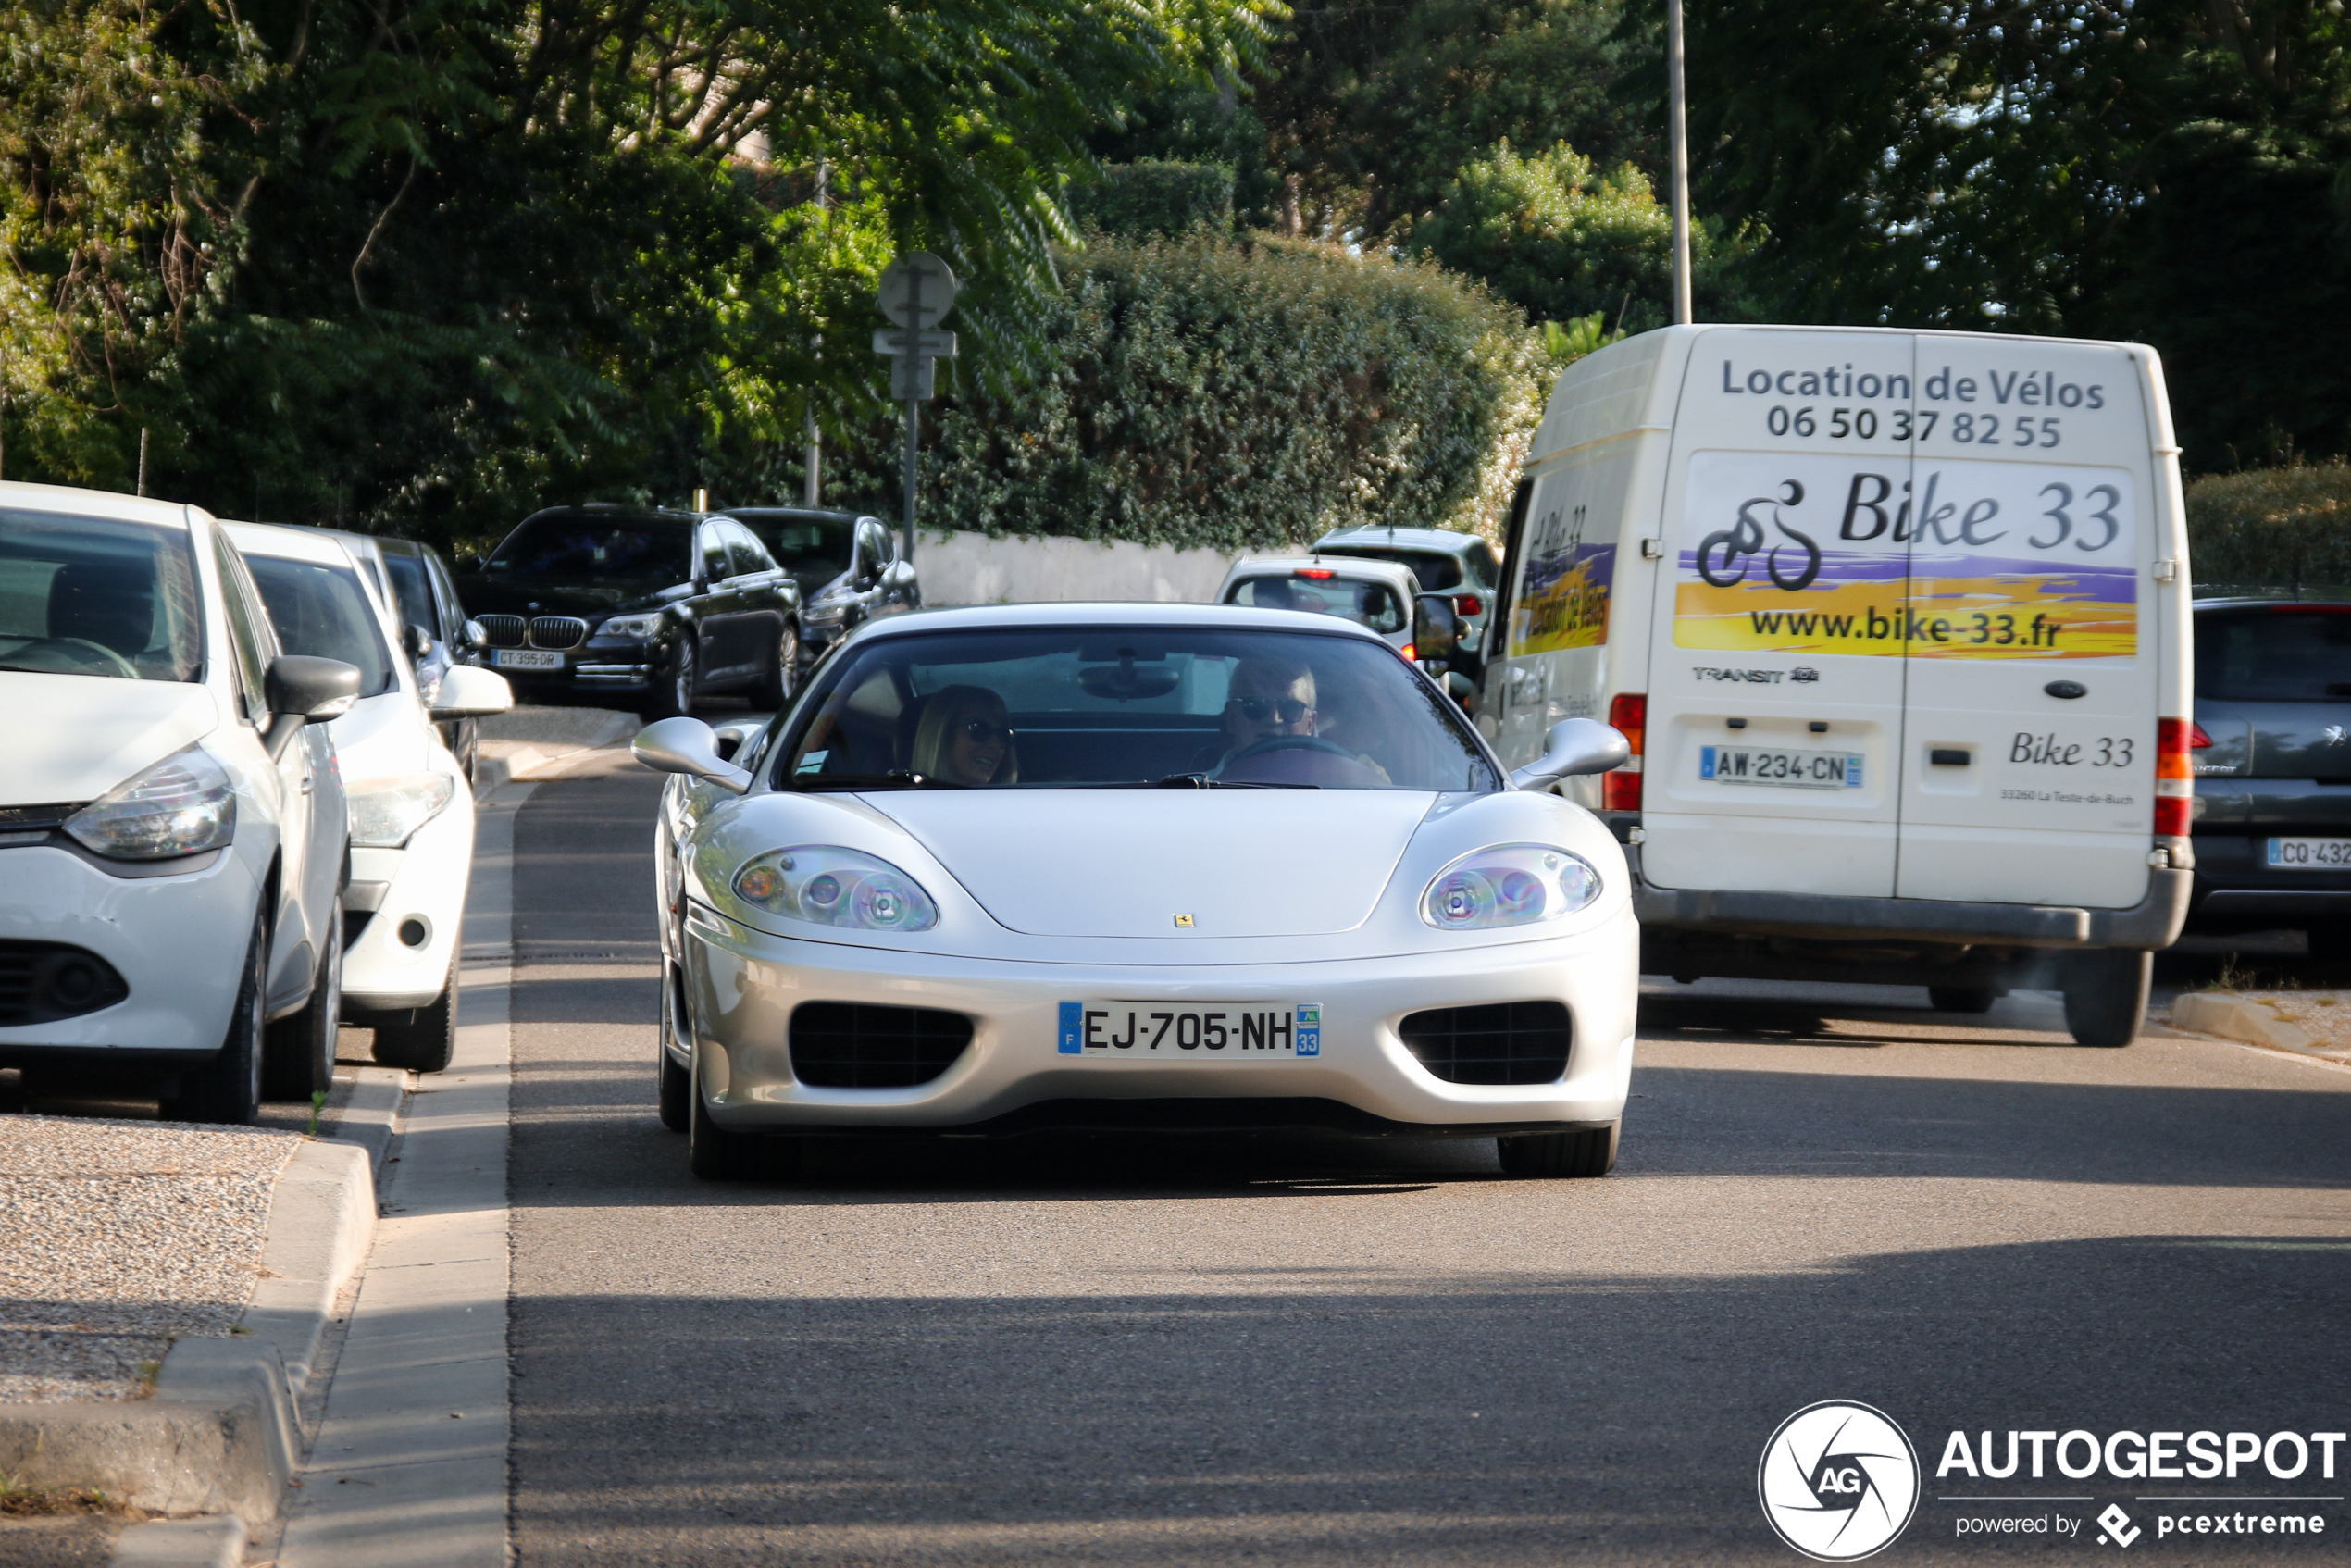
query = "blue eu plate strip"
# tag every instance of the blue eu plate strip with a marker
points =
(1073, 1029)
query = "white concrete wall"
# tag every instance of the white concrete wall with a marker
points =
(971, 568)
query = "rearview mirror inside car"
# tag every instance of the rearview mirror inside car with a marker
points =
(470, 691)
(688, 746)
(1574, 746)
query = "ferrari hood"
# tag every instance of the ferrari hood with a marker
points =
(1128, 863)
(78, 736)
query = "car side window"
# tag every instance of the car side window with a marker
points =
(716, 567)
(246, 642)
(748, 555)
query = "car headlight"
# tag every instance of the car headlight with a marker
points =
(184, 806)
(386, 812)
(1509, 885)
(836, 887)
(638, 626)
(829, 605)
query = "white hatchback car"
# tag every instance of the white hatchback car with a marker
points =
(1379, 595)
(412, 810)
(1121, 867)
(171, 816)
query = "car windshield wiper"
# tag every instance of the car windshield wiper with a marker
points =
(897, 778)
(1196, 781)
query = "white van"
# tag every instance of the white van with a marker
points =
(1898, 623)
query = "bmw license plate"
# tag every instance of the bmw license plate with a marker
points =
(2310, 855)
(1795, 770)
(1199, 1031)
(529, 658)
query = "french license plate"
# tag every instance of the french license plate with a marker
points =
(529, 658)
(2310, 855)
(1211, 1031)
(1795, 770)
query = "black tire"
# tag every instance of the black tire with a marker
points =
(228, 1088)
(420, 1038)
(1962, 999)
(674, 687)
(716, 1154)
(677, 1081)
(1588, 1152)
(773, 692)
(298, 1053)
(2106, 995)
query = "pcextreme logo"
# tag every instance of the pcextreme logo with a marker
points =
(1838, 1481)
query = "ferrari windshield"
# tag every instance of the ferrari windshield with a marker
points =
(1175, 707)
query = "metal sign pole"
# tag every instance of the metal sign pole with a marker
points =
(913, 419)
(1675, 109)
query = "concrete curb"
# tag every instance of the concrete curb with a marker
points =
(2233, 1018)
(222, 1434)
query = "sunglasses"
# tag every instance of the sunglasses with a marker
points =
(1281, 710)
(979, 729)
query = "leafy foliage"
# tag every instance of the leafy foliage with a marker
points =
(2286, 527)
(1250, 396)
(1156, 198)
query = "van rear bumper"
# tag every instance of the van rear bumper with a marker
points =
(2153, 922)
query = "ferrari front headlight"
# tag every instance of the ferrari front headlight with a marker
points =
(829, 886)
(385, 812)
(1510, 885)
(184, 806)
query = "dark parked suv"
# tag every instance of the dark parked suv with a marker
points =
(2272, 753)
(847, 568)
(645, 607)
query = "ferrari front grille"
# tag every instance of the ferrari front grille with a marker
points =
(853, 1045)
(1502, 1042)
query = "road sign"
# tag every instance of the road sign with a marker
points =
(926, 345)
(918, 290)
(912, 379)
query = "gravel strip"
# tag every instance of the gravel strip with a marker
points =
(123, 1236)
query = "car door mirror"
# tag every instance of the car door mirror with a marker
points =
(690, 747)
(417, 640)
(898, 576)
(1574, 746)
(470, 691)
(1435, 630)
(477, 636)
(300, 689)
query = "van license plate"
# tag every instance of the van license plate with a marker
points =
(2310, 855)
(1793, 770)
(529, 658)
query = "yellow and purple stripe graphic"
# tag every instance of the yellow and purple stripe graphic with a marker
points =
(1564, 602)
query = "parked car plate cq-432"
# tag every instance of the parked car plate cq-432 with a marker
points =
(1216, 1031)
(2310, 855)
(529, 658)
(1798, 770)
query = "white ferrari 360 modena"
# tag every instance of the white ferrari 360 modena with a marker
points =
(1137, 866)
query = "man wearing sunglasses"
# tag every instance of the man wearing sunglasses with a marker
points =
(1268, 698)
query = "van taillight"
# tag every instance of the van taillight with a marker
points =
(1621, 788)
(2175, 779)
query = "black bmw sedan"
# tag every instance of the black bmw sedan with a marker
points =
(637, 606)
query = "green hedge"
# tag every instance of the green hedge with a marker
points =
(1250, 396)
(1152, 197)
(2285, 530)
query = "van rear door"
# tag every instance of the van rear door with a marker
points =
(2028, 773)
(1775, 685)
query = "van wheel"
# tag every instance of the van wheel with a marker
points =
(2106, 995)
(421, 1038)
(228, 1088)
(1962, 999)
(716, 1154)
(298, 1053)
(1588, 1152)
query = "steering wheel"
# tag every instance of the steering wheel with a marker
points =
(1291, 743)
(81, 654)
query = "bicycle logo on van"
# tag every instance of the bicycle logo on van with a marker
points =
(1746, 538)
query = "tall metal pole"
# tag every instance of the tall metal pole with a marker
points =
(1676, 112)
(913, 406)
(813, 463)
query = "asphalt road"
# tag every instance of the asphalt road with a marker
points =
(1287, 1351)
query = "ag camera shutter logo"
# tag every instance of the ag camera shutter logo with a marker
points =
(1838, 1481)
